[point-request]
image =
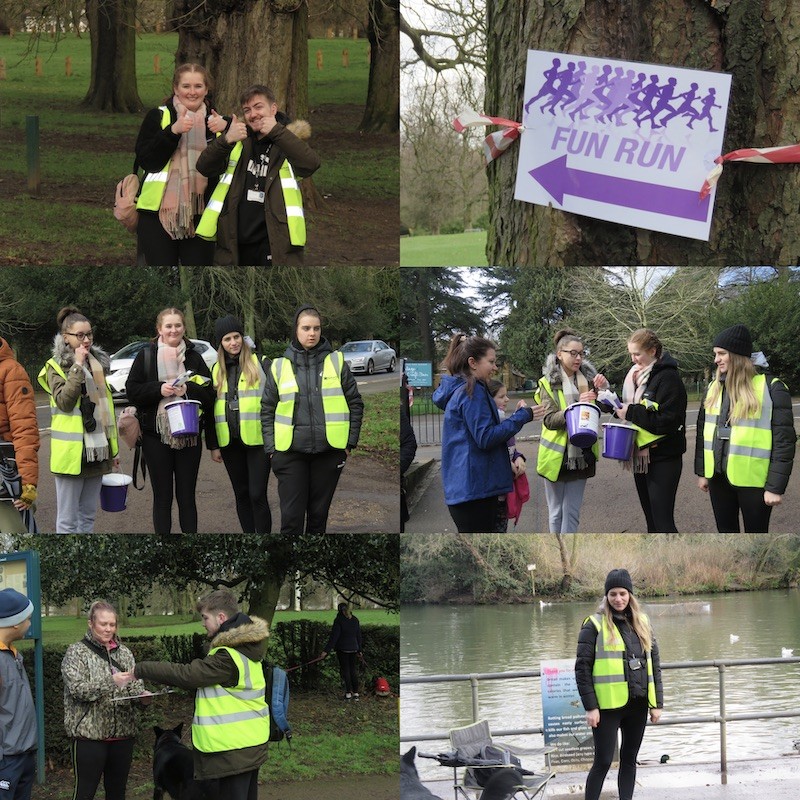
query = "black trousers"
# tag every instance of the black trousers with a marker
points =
(727, 501)
(657, 489)
(348, 669)
(306, 485)
(92, 759)
(243, 786)
(255, 254)
(248, 469)
(475, 516)
(631, 720)
(162, 251)
(172, 473)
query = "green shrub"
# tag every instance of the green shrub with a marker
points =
(452, 227)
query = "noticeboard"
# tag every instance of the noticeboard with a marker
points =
(419, 373)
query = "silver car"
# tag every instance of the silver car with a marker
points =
(369, 355)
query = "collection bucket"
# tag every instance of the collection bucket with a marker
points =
(583, 424)
(114, 491)
(618, 440)
(183, 417)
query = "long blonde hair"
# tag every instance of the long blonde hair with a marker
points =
(739, 382)
(247, 367)
(639, 621)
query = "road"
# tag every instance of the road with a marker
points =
(610, 503)
(366, 499)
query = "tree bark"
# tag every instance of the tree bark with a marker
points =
(755, 218)
(382, 113)
(112, 29)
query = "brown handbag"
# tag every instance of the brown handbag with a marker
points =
(125, 201)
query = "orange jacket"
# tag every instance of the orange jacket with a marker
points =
(18, 423)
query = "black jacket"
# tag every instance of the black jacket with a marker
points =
(584, 663)
(144, 391)
(345, 635)
(666, 388)
(309, 416)
(408, 442)
(784, 438)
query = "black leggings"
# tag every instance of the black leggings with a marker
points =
(631, 720)
(172, 471)
(248, 469)
(727, 501)
(348, 669)
(162, 251)
(243, 786)
(657, 489)
(91, 759)
(475, 516)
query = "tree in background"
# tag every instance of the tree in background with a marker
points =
(382, 112)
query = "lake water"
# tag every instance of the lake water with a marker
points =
(467, 639)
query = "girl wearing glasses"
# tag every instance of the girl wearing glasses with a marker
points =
(568, 377)
(83, 438)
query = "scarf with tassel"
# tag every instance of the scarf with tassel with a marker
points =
(573, 387)
(96, 443)
(170, 363)
(632, 392)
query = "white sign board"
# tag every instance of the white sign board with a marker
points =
(621, 141)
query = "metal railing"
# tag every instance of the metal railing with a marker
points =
(722, 718)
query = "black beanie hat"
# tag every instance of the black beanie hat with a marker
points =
(619, 579)
(736, 339)
(226, 325)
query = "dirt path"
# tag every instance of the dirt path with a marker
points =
(360, 787)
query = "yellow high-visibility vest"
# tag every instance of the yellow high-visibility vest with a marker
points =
(334, 403)
(608, 672)
(249, 408)
(232, 717)
(750, 446)
(155, 183)
(292, 198)
(66, 429)
(643, 437)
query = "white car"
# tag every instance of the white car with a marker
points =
(122, 361)
(369, 355)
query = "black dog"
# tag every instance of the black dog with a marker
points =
(411, 787)
(173, 769)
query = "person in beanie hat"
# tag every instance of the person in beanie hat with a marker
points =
(18, 730)
(621, 687)
(311, 418)
(745, 441)
(238, 379)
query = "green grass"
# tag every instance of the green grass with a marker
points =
(335, 84)
(380, 435)
(454, 249)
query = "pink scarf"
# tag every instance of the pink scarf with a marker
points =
(632, 392)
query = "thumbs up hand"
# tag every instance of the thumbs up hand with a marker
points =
(236, 132)
(184, 123)
(216, 123)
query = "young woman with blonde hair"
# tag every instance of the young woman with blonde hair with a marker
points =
(618, 673)
(746, 439)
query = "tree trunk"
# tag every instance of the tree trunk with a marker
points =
(112, 29)
(188, 308)
(244, 43)
(566, 567)
(382, 114)
(755, 219)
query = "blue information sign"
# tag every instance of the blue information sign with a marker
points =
(419, 373)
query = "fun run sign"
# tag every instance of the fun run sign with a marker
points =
(621, 141)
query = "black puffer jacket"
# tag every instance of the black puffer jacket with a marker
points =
(309, 416)
(345, 635)
(666, 388)
(784, 438)
(637, 680)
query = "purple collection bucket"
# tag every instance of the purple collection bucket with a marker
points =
(583, 424)
(618, 440)
(114, 491)
(183, 417)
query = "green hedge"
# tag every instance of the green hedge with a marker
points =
(291, 643)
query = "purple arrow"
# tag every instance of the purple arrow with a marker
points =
(557, 179)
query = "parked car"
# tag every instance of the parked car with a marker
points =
(122, 361)
(369, 355)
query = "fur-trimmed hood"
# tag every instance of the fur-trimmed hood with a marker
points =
(254, 631)
(300, 128)
(552, 370)
(64, 355)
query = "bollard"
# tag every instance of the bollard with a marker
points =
(38, 68)
(319, 59)
(68, 66)
(355, 33)
(329, 33)
(32, 146)
(345, 58)
(156, 64)
(2, 69)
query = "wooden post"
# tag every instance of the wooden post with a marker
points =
(38, 68)
(329, 33)
(2, 69)
(319, 59)
(68, 66)
(32, 147)
(345, 58)
(355, 33)
(156, 64)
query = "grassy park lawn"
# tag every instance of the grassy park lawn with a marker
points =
(447, 250)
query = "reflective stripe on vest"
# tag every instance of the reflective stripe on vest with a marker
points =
(66, 429)
(249, 409)
(643, 437)
(750, 445)
(553, 444)
(232, 718)
(155, 183)
(292, 198)
(334, 403)
(608, 672)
